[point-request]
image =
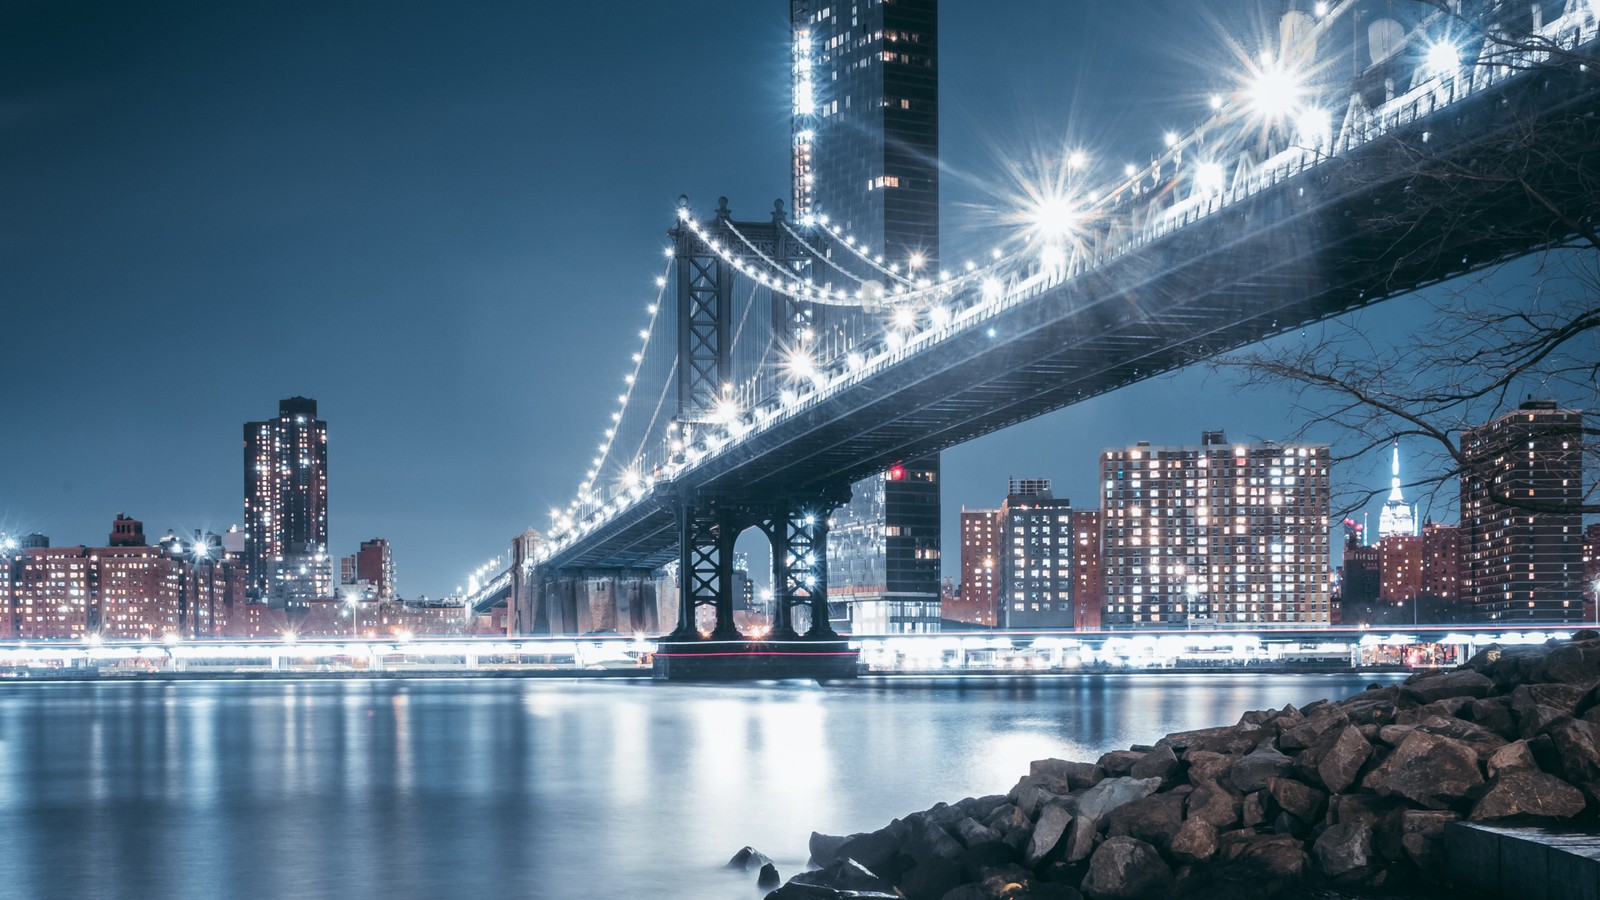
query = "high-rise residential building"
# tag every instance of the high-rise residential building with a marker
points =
(977, 600)
(1441, 561)
(1362, 579)
(883, 553)
(866, 154)
(1520, 565)
(375, 566)
(126, 532)
(1399, 568)
(1224, 533)
(286, 505)
(1591, 572)
(1397, 516)
(1086, 598)
(1036, 581)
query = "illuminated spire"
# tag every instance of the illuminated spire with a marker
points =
(1397, 516)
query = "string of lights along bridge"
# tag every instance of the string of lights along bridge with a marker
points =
(780, 358)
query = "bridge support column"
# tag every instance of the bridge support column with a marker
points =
(800, 564)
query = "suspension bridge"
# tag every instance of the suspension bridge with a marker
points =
(783, 359)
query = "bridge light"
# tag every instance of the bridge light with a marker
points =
(916, 261)
(1273, 91)
(905, 318)
(1077, 160)
(1171, 138)
(1054, 218)
(1208, 178)
(1313, 127)
(1216, 101)
(1443, 59)
(1320, 8)
(1129, 169)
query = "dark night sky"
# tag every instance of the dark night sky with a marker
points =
(442, 222)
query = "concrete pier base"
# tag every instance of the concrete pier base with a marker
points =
(1527, 862)
(746, 660)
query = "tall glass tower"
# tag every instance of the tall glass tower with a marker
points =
(866, 155)
(286, 505)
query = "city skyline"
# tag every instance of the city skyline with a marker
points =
(412, 336)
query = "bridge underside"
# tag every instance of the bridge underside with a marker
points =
(1378, 222)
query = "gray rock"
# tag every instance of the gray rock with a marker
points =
(844, 875)
(1253, 810)
(1493, 713)
(1578, 749)
(1052, 825)
(768, 877)
(1194, 843)
(930, 839)
(1009, 818)
(748, 858)
(1118, 763)
(971, 831)
(1078, 774)
(875, 849)
(1344, 850)
(1426, 687)
(1215, 805)
(825, 847)
(1480, 738)
(1515, 755)
(1153, 819)
(1160, 763)
(1342, 760)
(1299, 800)
(1125, 868)
(1251, 771)
(1525, 792)
(1096, 803)
(931, 879)
(1537, 718)
(1427, 769)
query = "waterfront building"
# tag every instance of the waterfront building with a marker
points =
(1399, 568)
(1591, 572)
(977, 601)
(286, 505)
(1087, 596)
(374, 564)
(1036, 538)
(883, 553)
(1441, 561)
(866, 154)
(1519, 565)
(1215, 533)
(126, 532)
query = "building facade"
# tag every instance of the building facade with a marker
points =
(977, 602)
(1519, 565)
(1216, 533)
(286, 505)
(866, 155)
(1441, 561)
(1087, 600)
(1036, 538)
(1399, 568)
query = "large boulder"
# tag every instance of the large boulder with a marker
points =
(1338, 761)
(1118, 763)
(1154, 819)
(931, 879)
(1125, 868)
(1515, 755)
(1215, 805)
(768, 877)
(1577, 746)
(1311, 732)
(1344, 851)
(981, 859)
(929, 839)
(1077, 774)
(747, 859)
(1524, 792)
(1194, 843)
(1095, 804)
(1053, 821)
(1251, 771)
(876, 849)
(971, 831)
(1235, 739)
(1493, 713)
(1299, 800)
(1426, 687)
(1427, 769)
(1208, 766)
(1275, 856)
(825, 847)
(1160, 763)
(843, 876)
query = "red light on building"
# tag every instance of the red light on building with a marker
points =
(897, 473)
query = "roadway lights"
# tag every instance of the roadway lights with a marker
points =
(905, 318)
(1054, 218)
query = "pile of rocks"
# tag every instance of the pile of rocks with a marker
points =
(1350, 793)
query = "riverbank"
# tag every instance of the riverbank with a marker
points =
(1352, 794)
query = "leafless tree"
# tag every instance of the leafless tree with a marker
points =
(1515, 329)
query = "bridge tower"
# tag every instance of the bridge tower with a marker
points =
(795, 522)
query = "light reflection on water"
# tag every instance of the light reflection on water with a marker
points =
(530, 789)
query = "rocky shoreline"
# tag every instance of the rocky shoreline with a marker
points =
(1352, 795)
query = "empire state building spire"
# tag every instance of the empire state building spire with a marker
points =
(1397, 516)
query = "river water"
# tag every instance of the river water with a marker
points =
(525, 788)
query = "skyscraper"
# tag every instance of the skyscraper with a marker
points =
(1517, 564)
(1397, 516)
(1036, 584)
(866, 154)
(1226, 533)
(286, 505)
(1441, 561)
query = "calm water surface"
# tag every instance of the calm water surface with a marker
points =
(458, 788)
